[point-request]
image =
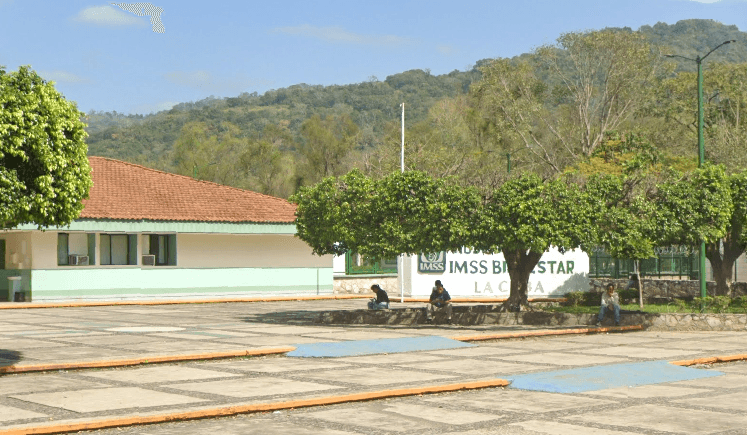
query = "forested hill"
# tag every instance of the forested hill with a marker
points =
(373, 106)
(691, 38)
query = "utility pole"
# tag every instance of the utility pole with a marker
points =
(402, 148)
(701, 152)
(401, 261)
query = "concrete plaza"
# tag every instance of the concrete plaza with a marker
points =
(62, 398)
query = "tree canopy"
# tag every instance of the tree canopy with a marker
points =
(44, 171)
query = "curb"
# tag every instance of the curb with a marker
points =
(548, 333)
(31, 305)
(138, 361)
(711, 360)
(480, 300)
(248, 409)
(19, 306)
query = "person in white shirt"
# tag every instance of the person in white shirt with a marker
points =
(610, 302)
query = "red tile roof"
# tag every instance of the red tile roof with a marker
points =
(126, 191)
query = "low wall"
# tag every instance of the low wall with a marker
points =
(668, 289)
(361, 284)
(488, 314)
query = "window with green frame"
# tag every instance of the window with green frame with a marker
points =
(163, 247)
(75, 243)
(118, 249)
(356, 264)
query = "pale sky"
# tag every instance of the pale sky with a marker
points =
(107, 57)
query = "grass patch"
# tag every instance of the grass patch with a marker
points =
(673, 307)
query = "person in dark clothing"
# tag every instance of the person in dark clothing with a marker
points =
(382, 299)
(439, 300)
(610, 302)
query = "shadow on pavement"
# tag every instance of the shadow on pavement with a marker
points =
(9, 357)
(300, 317)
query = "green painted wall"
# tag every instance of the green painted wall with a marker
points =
(172, 226)
(25, 275)
(131, 282)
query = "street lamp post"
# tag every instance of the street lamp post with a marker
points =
(401, 258)
(701, 147)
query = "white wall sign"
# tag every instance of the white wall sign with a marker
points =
(468, 273)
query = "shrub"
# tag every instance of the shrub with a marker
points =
(706, 302)
(574, 298)
(592, 299)
(680, 305)
(627, 295)
(721, 303)
(740, 302)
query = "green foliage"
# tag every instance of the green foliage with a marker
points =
(696, 206)
(255, 164)
(699, 302)
(622, 154)
(725, 101)
(413, 213)
(592, 299)
(721, 303)
(423, 214)
(574, 298)
(401, 213)
(628, 295)
(371, 105)
(560, 103)
(44, 171)
(529, 214)
(696, 37)
(740, 302)
(738, 227)
(680, 305)
(650, 308)
(547, 109)
(716, 304)
(326, 143)
(625, 221)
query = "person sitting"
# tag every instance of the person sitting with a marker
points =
(382, 299)
(610, 302)
(439, 300)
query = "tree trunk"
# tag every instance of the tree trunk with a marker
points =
(520, 264)
(722, 264)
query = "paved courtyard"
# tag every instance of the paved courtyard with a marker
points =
(61, 398)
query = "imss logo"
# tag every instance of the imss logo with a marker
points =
(432, 263)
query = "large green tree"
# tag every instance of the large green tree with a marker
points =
(221, 154)
(326, 143)
(724, 252)
(725, 110)
(626, 222)
(619, 182)
(523, 218)
(402, 213)
(707, 205)
(44, 171)
(412, 213)
(558, 104)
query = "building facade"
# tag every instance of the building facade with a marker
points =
(149, 234)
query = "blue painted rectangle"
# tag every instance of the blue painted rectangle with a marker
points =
(610, 376)
(371, 347)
